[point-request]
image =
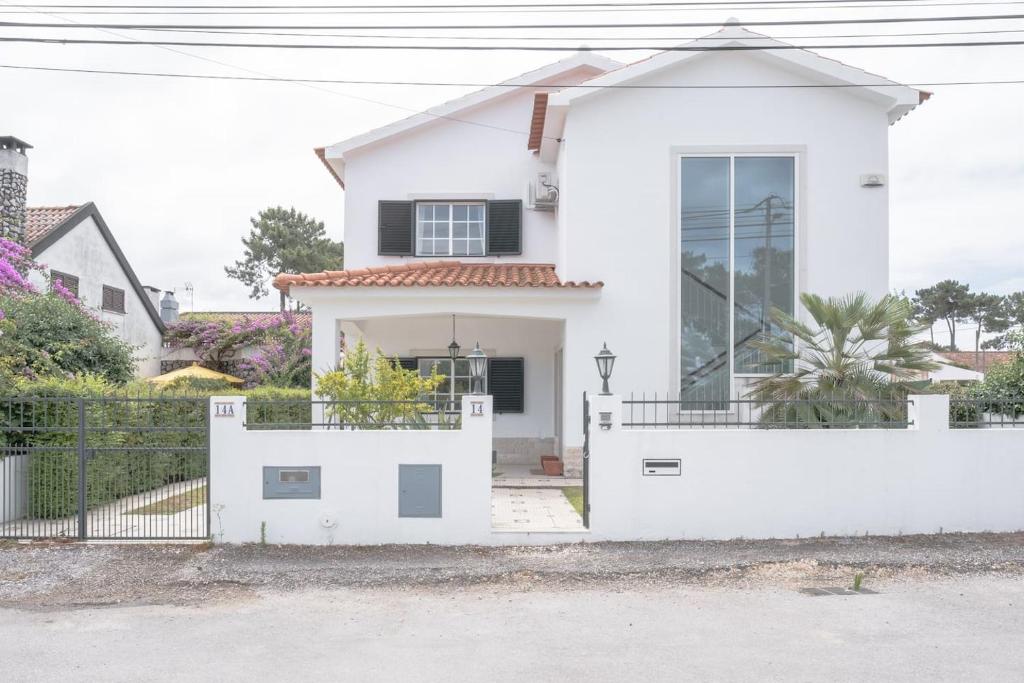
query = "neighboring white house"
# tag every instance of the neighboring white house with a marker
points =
(76, 247)
(590, 202)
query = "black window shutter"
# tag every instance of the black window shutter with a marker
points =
(396, 228)
(505, 227)
(505, 383)
(408, 364)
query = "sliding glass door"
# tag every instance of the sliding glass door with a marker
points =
(737, 263)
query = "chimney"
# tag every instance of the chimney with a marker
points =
(169, 308)
(13, 187)
(154, 295)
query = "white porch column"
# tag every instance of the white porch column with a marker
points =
(326, 342)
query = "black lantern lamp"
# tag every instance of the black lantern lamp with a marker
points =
(605, 362)
(453, 348)
(477, 365)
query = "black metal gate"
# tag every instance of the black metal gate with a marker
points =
(104, 468)
(586, 461)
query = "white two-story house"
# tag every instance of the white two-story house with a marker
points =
(662, 207)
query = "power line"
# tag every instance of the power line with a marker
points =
(692, 3)
(276, 79)
(435, 27)
(520, 48)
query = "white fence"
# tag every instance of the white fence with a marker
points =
(359, 483)
(783, 483)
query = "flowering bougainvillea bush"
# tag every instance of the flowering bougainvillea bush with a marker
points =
(50, 333)
(270, 351)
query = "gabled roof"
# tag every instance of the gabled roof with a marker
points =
(40, 220)
(333, 155)
(55, 222)
(900, 99)
(437, 274)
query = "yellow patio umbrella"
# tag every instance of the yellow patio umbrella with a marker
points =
(195, 371)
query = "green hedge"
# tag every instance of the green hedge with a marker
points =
(139, 439)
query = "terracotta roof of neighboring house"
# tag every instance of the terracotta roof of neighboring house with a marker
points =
(41, 220)
(981, 362)
(437, 274)
(304, 317)
(540, 110)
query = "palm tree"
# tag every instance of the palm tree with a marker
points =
(853, 369)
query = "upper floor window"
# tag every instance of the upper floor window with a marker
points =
(113, 299)
(68, 282)
(450, 229)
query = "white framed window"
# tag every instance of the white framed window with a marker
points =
(450, 228)
(456, 384)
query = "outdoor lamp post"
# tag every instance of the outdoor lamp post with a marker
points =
(477, 365)
(605, 362)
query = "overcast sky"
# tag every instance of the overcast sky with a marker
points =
(177, 167)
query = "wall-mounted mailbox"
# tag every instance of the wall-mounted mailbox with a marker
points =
(662, 467)
(291, 482)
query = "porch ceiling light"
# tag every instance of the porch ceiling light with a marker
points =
(477, 365)
(605, 362)
(453, 348)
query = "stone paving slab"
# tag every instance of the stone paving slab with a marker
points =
(532, 509)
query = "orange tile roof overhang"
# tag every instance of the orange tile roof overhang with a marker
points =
(437, 274)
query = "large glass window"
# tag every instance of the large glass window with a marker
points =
(737, 224)
(455, 384)
(450, 229)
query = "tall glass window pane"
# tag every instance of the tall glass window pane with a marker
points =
(763, 259)
(704, 294)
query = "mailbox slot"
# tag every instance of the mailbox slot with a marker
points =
(663, 467)
(291, 482)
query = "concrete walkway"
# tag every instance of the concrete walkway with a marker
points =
(532, 509)
(116, 519)
(516, 475)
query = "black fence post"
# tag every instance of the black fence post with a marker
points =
(586, 461)
(82, 511)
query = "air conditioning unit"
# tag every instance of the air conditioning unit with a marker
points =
(542, 194)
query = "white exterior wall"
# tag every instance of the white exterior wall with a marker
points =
(620, 188)
(84, 253)
(359, 482)
(752, 483)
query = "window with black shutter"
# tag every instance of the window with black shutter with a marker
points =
(396, 228)
(504, 227)
(68, 282)
(505, 383)
(113, 299)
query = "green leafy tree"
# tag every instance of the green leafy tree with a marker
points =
(375, 392)
(948, 301)
(858, 350)
(1013, 307)
(284, 241)
(988, 312)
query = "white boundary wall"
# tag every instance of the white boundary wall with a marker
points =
(359, 482)
(754, 483)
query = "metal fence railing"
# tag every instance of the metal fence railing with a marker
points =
(671, 413)
(428, 414)
(982, 413)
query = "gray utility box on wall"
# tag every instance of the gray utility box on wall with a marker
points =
(291, 482)
(419, 490)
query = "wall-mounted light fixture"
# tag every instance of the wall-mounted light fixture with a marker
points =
(605, 362)
(477, 366)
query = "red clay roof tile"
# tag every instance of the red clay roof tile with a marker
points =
(41, 220)
(437, 274)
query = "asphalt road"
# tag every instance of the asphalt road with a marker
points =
(963, 629)
(945, 608)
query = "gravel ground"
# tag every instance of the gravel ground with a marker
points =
(57, 576)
